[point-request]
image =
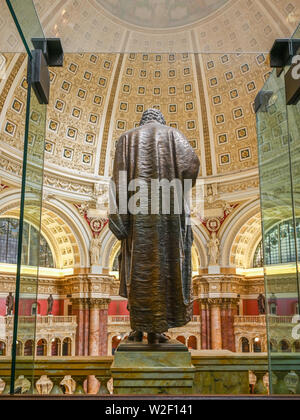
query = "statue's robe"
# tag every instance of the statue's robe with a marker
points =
(155, 259)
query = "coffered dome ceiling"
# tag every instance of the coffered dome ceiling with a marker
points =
(161, 13)
(97, 95)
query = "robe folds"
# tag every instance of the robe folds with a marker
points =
(155, 258)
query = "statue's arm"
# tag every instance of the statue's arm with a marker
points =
(187, 161)
(118, 218)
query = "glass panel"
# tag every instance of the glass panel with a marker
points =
(278, 128)
(29, 237)
(10, 41)
(27, 21)
(24, 343)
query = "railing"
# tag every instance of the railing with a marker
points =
(215, 373)
(39, 319)
(246, 319)
(125, 319)
(279, 319)
(118, 319)
(261, 319)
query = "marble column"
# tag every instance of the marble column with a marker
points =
(232, 312)
(224, 325)
(203, 315)
(103, 327)
(208, 326)
(94, 330)
(77, 309)
(216, 334)
(86, 320)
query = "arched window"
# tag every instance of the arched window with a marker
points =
(192, 342)
(2, 348)
(55, 347)
(296, 346)
(41, 348)
(66, 347)
(9, 228)
(273, 346)
(19, 349)
(245, 345)
(114, 343)
(279, 245)
(257, 345)
(28, 348)
(284, 346)
(181, 338)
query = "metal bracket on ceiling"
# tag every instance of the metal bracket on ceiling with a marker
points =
(48, 52)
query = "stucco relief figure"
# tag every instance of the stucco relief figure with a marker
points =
(95, 251)
(50, 301)
(10, 304)
(213, 249)
(155, 258)
(261, 301)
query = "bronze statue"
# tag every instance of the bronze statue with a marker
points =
(10, 304)
(50, 301)
(261, 301)
(155, 259)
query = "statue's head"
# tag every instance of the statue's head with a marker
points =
(152, 114)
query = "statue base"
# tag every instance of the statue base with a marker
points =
(142, 369)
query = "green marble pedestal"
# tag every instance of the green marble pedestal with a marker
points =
(158, 369)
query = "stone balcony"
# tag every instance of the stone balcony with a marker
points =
(119, 326)
(252, 329)
(51, 331)
(216, 372)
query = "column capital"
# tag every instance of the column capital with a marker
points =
(98, 303)
(79, 303)
(215, 301)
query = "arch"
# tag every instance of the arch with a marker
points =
(273, 345)
(257, 345)
(9, 228)
(55, 347)
(65, 230)
(115, 341)
(279, 245)
(296, 346)
(41, 347)
(2, 348)
(192, 342)
(240, 235)
(19, 348)
(244, 345)
(28, 348)
(284, 346)
(67, 346)
(181, 338)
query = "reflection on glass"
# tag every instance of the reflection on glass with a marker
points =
(278, 127)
